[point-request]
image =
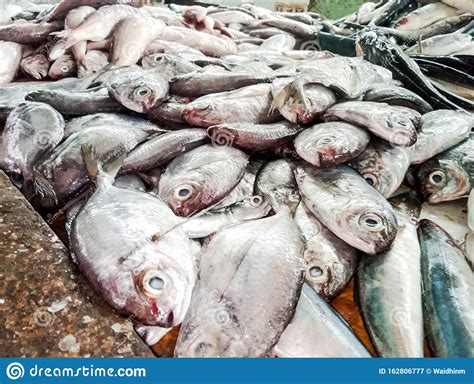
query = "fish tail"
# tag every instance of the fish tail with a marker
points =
(99, 172)
(280, 99)
(43, 188)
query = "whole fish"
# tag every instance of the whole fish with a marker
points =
(62, 173)
(383, 166)
(141, 92)
(26, 32)
(394, 95)
(318, 99)
(397, 125)
(448, 293)
(316, 330)
(92, 63)
(328, 144)
(348, 206)
(162, 149)
(424, 16)
(257, 264)
(301, 30)
(135, 234)
(216, 219)
(201, 177)
(78, 102)
(131, 38)
(64, 66)
(168, 65)
(36, 65)
(330, 262)
(258, 137)
(31, 130)
(389, 292)
(10, 57)
(440, 130)
(282, 42)
(213, 79)
(245, 105)
(277, 184)
(111, 120)
(449, 175)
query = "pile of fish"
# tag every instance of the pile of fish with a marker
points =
(217, 176)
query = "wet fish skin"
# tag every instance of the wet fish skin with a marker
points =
(282, 42)
(169, 113)
(348, 206)
(168, 65)
(449, 175)
(201, 177)
(316, 330)
(330, 262)
(383, 166)
(398, 96)
(28, 32)
(440, 130)
(76, 103)
(93, 62)
(447, 285)
(216, 219)
(424, 16)
(135, 235)
(36, 65)
(141, 92)
(64, 66)
(327, 144)
(162, 149)
(10, 55)
(389, 292)
(213, 80)
(31, 130)
(245, 105)
(130, 181)
(258, 137)
(441, 44)
(397, 125)
(254, 264)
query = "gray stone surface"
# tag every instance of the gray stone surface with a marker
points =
(47, 309)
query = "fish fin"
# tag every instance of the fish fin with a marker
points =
(44, 189)
(98, 171)
(280, 99)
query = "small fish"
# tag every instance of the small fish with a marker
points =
(448, 293)
(316, 330)
(348, 206)
(389, 292)
(258, 137)
(256, 264)
(328, 144)
(440, 130)
(397, 125)
(201, 177)
(449, 175)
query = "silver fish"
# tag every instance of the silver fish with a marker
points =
(201, 177)
(64, 66)
(348, 206)
(257, 264)
(389, 292)
(328, 144)
(282, 42)
(397, 125)
(316, 330)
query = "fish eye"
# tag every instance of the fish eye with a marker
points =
(143, 91)
(156, 283)
(64, 69)
(184, 192)
(437, 178)
(316, 272)
(256, 201)
(158, 59)
(153, 283)
(371, 179)
(371, 222)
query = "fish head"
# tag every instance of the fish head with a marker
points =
(139, 95)
(36, 66)
(254, 207)
(443, 180)
(214, 333)
(403, 129)
(185, 196)
(374, 226)
(202, 113)
(154, 285)
(65, 66)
